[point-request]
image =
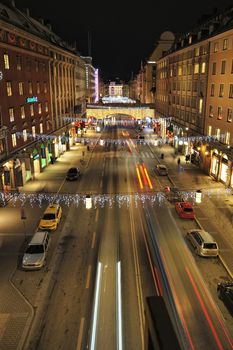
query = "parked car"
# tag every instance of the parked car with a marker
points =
(34, 257)
(185, 210)
(225, 293)
(174, 195)
(51, 217)
(73, 174)
(162, 169)
(204, 244)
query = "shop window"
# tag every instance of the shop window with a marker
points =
(229, 115)
(218, 134)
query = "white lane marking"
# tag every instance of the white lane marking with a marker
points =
(93, 240)
(80, 334)
(88, 277)
(96, 215)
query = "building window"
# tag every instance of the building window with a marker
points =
(221, 90)
(231, 91)
(215, 47)
(209, 132)
(200, 105)
(11, 114)
(29, 65)
(31, 110)
(8, 88)
(46, 107)
(21, 88)
(203, 67)
(47, 125)
(39, 108)
(22, 110)
(18, 63)
(41, 128)
(196, 68)
(219, 112)
(229, 115)
(223, 67)
(45, 88)
(227, 138)
(37, 66)
(30, 87)
(13, 139)
(38, 87)
(197, 51)
(211, 111)
(214, 68)
(212, 90)
(225, 44)
(232, 67)
(218, 134)
(179, 70)
(6, 61)
(33, 131)
(25, 135)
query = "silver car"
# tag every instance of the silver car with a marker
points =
(35, 255)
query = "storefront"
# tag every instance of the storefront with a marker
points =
(215, 162)
(224, 172)
(43, 159)
(36, 162)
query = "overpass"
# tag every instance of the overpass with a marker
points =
(139, 111)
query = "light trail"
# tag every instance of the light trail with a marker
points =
(119, 309)
(147, 176)
(139, 177)
(143, 175)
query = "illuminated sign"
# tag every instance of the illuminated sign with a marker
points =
(32, 99)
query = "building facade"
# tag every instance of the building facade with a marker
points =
(89, 79)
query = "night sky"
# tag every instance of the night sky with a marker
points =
(122, 32)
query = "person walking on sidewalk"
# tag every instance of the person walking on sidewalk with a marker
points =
(178, 161)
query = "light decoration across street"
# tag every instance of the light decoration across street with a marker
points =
(107, 200)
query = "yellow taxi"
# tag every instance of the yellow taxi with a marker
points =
(51, 217)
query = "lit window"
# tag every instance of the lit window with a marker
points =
(203, 67)
(200, 105)
(221, 90)
(41, 128)
(211, 111)
(30, 87)
(9, 88)
(209, 130)
(38, 87)
(45, 87)
(215, 47)
(190, 39)
(229, 115)
(13, 139)
(227, 138)
(31, 110)
(219, 112)
(47, 125)
(179, 70)
(197, 51)
(231, 91)
(37, 66)
(18, 63)
(218, 134)
(25, 135)
(196, 68)
(33, 131)
(22, 112)
(46, 106)
(6, 61)
(21, 88)
(39, 108)
(225, 44)
(223, 67)
(11, 114)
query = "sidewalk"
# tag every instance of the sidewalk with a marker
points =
(214, 213)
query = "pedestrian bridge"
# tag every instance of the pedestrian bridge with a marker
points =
(107, 111)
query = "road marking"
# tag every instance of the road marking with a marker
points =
(93, 240)
(80, 334)
(88, 277)
(96, 215)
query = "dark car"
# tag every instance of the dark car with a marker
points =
(73, 174)
(225, 293)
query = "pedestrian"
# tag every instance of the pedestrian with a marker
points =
(178, 161)
(88, 148)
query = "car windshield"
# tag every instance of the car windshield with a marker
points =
(49, 216)
(35, 249)
(210, 245)
(188, 210)
(72, 170)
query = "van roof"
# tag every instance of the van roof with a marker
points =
(206, 236)
(38, 237)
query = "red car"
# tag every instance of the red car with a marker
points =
(185, 210)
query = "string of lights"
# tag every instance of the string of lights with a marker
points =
(110, 200)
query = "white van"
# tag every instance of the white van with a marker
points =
(35, 255)
(203, 243)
